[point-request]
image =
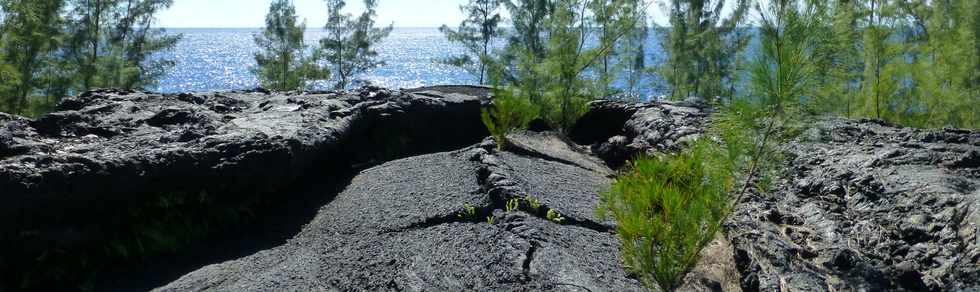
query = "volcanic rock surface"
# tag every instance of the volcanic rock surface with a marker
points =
(70, 178)
(619, 131)
(404, 225)
(866, 206)
(433, 206)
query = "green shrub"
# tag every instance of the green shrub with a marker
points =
(510, 111)
(667, 209)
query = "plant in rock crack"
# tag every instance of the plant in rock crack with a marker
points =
(510, 111)
(554, 216)
(491, 219)
(669, 207)
(533, 203)
(513, 205)
(469, 211)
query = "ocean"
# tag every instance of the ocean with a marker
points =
(212, 59)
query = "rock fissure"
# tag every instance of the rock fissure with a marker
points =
(528, 258)
(478, 216)
(188, 144)
(502, 187)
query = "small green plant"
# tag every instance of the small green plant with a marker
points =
(490, 219)
(469, 211)
(554, 216)
(510, 111)
(513, 205)
(533, 202)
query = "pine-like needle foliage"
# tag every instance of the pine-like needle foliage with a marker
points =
(702, 44)
(511, 110)
(550, 62)
(282, 62)
(349, 47)
(109, 44)
(32, 31)
(911, 62)
(667, 209)
(477, 34)
(837, 60)
(944, 77)
(783, 68)
(53, 48)
(881, 59)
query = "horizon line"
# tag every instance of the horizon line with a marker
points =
(316, 27)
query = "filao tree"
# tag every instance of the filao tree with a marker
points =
(551, 67)
(350, 42)
(89, 25)
(632, 50)
(904, 61)
(477, 34)
(620, 27)
(31, 33)
(880, 58)
(946, 72)
(55, 48)
(283, 62)
(837, 60)
(669, 207)
(701, 45)
(135, 40)
(110, 40)
(525, 46)
(565, 92)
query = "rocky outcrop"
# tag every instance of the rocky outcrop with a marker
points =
(421, 223)
(866, 206)
(446, 222)
(432, 205)
(70, 178)
(619, 131)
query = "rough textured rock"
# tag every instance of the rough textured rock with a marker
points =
(618, 131)
(866, 206)
(66, 174)
(404, 226)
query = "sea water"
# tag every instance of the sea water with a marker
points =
(209, 59)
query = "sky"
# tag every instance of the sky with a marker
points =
(251, 13)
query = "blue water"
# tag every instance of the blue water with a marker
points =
(222, 59)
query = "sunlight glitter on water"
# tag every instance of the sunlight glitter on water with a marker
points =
(223, 59)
